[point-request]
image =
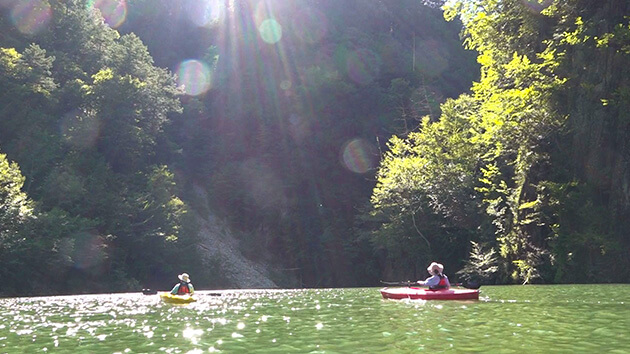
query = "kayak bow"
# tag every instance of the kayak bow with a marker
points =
(177, 299)
(426, 294)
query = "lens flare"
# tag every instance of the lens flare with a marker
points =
(88, 252)
(285, 84)
(263, 186)
(270, 31)
(357, 155)
(205, 13)
(431, 58)
(194, 76)
(299, 128)
(80, 129)
(114, 11)
(309, 25)
(363, 66)
(31, 16)
(7, 3)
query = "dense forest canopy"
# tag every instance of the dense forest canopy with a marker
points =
(343, 141)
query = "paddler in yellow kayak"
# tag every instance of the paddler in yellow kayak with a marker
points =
(184, 287)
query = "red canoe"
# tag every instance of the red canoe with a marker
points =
(426, 294)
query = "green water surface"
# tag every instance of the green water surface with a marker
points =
(506, 319)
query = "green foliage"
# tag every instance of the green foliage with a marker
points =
(161, 205)
(15, 207)
(482, 265)
(425, 185)
(32, 68)
(583, 240)
(82, 111)
(516, 121)
(427, 165)
(33, 246)
(619, 38)
(534, 66)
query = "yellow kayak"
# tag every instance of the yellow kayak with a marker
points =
(177, 299)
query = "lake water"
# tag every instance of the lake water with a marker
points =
(506, 319)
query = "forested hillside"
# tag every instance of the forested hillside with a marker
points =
(112, 111)
(532, 166)
(343, 141)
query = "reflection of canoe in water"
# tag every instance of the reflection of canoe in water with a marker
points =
(426, 294)
(177, 299)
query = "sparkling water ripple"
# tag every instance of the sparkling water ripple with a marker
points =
(506, 319)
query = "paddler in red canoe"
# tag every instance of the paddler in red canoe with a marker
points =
(437, 280)
(184, 287)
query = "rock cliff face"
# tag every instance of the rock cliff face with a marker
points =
(217, 243)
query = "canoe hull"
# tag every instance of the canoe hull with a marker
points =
(426, 294)
(176, 299)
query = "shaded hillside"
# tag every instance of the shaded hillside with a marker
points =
(301, 97)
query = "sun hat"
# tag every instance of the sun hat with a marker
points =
(435, 266)
(184, 277)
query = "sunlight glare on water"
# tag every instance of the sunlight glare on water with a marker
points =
(506, 319)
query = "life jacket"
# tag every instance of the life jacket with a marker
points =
(183, 288)
(443, 284)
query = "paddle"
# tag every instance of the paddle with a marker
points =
(470, 285)
(400, 283)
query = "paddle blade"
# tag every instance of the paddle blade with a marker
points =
(471, 285)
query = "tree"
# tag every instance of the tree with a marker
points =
(425, 188)
(15, 207)
(82, 112)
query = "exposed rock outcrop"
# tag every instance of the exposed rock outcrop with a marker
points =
(217, 243)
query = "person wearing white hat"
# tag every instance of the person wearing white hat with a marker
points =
(184, 287)
(437, 280)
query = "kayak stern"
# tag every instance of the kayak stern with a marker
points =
(177, 299)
